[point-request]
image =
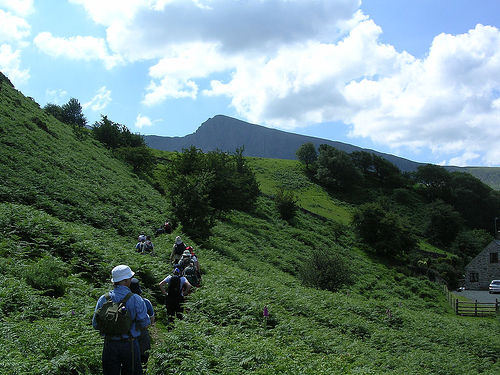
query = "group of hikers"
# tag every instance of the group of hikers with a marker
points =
(123, 316)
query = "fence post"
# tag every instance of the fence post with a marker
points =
(496, 306)
(475, 308)
(456, 306)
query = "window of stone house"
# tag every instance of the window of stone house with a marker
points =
(493, 257)
(473, 277)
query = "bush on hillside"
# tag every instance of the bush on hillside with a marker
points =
(383, 230)
(47, 274)
(326, 270)
(286, 204)
(140, 158)
(204, 186)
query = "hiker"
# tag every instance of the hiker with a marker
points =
(185, 260)
(167, 227)
(128, 314)
(148, 246)
(194, 258)
(191, 275)
(177, 250)
(140, 245)
(144, 339)
(177, 288)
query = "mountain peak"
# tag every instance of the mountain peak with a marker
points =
(227, 134)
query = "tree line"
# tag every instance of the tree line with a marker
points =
(395, 210)
(124, 144)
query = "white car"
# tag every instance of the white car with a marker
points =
(494, 286)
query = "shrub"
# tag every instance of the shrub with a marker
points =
(326, 270)
(286, 204)
(383, 230)
(47, 274)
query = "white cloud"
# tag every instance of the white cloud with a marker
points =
(85, 48)
(142, 121)
(292, 63)
(110, 11)
(20, 7)
(100, 100)
(446, 102)
(144, 30)
(13, 28)
(173, 76)
(10, 62)
(56, 96)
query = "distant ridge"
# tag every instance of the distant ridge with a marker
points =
(226, 134)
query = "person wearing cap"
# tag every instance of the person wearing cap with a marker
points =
(122, 353)
(144, 339)
(173, 301)
(185, 260)
(177, 250)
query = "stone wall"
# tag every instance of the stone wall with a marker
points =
(485, 270)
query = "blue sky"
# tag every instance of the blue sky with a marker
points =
(419, 79)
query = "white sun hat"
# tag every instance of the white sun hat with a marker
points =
(121, 272)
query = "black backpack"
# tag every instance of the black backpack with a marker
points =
(179, 248)
(113, 318)
(174, 287)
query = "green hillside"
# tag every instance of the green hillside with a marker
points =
(70, 211)
(490, 175)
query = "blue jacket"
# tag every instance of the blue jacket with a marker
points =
(135, 306)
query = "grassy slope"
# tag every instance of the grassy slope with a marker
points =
(46, 167)
(490, 176)
(384, 323)
(273, 174)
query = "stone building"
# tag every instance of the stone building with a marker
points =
(484, 267)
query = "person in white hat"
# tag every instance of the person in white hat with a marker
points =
(177, 250)
(122, 352)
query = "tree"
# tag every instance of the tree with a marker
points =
(54, 110)
(470, 242)
(227, 183)
(436, 181)
(475, 201)
(107, 132)
(444, 223)
(72, 113)
(336, 169)
(383, 230)
(307, 154)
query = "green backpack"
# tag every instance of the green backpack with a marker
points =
(113, 319)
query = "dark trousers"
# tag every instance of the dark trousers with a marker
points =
(145, 346)
(174, 307)
(123, 355)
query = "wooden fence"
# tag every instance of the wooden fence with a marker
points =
(466, 308)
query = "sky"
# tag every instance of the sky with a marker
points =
(419, 79)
